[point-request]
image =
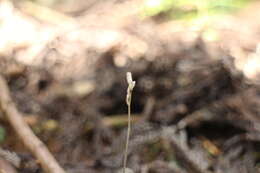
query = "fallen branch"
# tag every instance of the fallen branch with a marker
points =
(36, 146)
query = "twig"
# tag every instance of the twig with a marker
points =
(14, 117)
(6, 167)
(131, 85)
(10, 157)
(192, 160)
(119, 120)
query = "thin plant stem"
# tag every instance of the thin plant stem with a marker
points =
(127, 137)
(131, 85)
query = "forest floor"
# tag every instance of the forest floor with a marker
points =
(195, 104)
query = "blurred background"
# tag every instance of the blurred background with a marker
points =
(195, 107)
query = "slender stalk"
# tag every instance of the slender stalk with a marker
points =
(131, 85)
(127, 137)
